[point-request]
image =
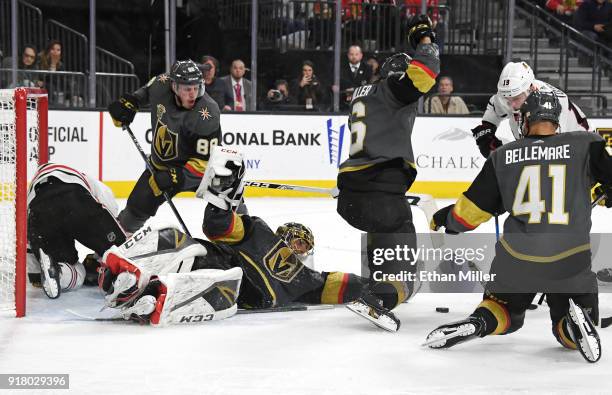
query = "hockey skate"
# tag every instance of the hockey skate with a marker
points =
(447, 335)
(50, 276)
(583, 333)
(371, 308)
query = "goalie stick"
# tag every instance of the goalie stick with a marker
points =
(424, 202)
(152, 171)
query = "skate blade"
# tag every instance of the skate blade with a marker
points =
(589, 345)
(457, 333)
(382, 322)
(50, 285)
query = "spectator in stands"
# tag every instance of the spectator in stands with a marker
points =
(279, 99)
(63, 88)
(564, 9)
(321, 26)
(444, 102)
(239, 87)
(51, 57)
(375, 67)
(594, 18)
(353, 74)
(25, 63)
(308, 88)
(214, 86)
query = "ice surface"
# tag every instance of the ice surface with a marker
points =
(315, 352)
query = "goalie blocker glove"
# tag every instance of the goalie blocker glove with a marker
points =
(485, 138)
(124, 110)
(222, 184)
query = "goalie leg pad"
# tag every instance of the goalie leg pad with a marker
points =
(196, 297)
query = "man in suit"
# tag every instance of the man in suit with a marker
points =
(239, 87)
(353, 74)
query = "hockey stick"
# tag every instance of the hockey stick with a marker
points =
(83, 317)
(297, 307)
(286, 187)
(150, 168)
(598, 199)
(424, 202)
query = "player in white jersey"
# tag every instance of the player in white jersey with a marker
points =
(515, 83)
(64, 206)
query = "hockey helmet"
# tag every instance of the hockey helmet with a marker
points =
(298, 237)
(540, 106)
(515, 78)
(395, 65)
(187, 72)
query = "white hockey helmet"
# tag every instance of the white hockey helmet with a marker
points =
(515, 78)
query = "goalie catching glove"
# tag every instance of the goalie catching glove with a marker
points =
(485, 138)
(222, 184)
(123, 110)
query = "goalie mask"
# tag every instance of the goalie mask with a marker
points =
(298, 237)
(539, 106)
(395, 65)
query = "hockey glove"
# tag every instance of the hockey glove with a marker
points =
(123, 110)
(439, 219)
(603, 190)
(485, 138)
(167, 180)
(222, 184)
(420, 26)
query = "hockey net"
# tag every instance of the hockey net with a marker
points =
(23, 145)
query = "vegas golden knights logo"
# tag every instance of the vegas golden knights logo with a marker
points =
(166, 141)
(281, 262)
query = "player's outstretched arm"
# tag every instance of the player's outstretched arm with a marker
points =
(421, 73)
(477, 205)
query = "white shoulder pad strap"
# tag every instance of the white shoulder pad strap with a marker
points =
(199, 296)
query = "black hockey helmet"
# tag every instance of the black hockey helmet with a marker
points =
(540, 106)
(185, 72)
(294, 231)
(395, 65)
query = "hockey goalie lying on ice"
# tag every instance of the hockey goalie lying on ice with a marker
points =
(162, 276)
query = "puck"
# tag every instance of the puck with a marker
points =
(532, 306)
(442, 309)
(605, 322)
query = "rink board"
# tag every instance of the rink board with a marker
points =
(294, 149)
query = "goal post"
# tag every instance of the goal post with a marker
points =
(23, 146)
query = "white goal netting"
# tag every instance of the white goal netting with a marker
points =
(9, 176)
